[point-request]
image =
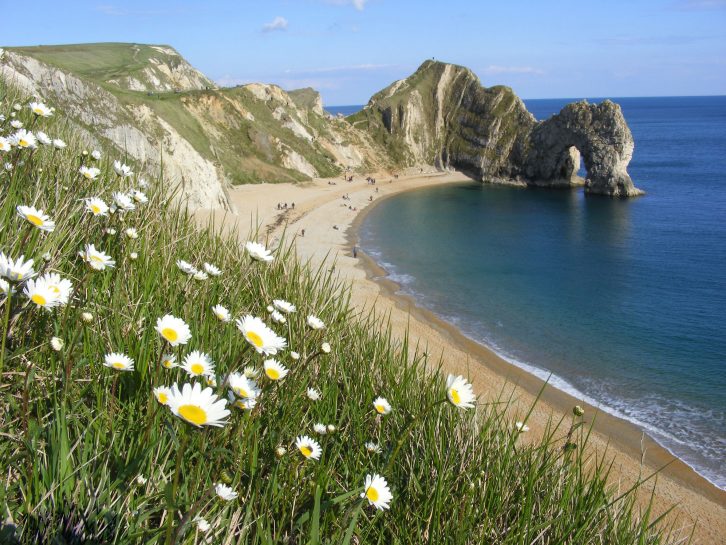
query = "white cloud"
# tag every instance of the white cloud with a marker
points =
(278, 23)
(494, 69)
(357, 4)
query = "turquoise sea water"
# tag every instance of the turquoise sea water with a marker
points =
(623, 301)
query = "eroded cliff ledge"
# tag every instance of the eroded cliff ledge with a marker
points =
(442, 115)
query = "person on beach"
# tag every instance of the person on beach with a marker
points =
(355, 252)
(302, 233)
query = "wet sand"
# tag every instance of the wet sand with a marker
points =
(330, 227)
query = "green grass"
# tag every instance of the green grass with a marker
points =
(76, 435)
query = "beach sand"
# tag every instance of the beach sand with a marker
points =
(330, 228)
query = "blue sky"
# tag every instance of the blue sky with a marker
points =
(349, 49)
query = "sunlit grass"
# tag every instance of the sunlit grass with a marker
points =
(97, 445)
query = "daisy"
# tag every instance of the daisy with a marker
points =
(5, 145)
(41, 293)
(36, 217)
(277, 317)
(382, 405)
(202, 524)
(95, 155)
(89, 173)
(40, 109)
(261, 337)
(122, 170)
(87, 317)
(325, 347)
(133, 256)
(377, 492)
(131, 233)
(96, 206)
(521, 427)
(56, 344)
(168, 361)
(211, 269)
(62, 287)
(200, 275)
(59, 144)
(24, 139)
(243, 386)
(198, 407)
(43, 138)
(5, 287)
(373, 448)
(251, 372)
(16, 270)
(123, 201)
(97, 259)
(315, 323)
(294, 355)
(120, 362)
(139, 196)
(198, 363)
(174, 330)
(258, 252)
(280, 452)
(308, 447)
(320, 429)
(459, 392)
(332, 428)
(225, 492)
(221, 313)
(162, 394)
(284, 306)
(313, 394)
(186, 267)
(210, 380)
(275, 370)
(246, 404)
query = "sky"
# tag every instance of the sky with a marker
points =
(350, 49)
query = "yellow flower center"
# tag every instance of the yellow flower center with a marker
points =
(118, 365)
(38, 299)
(35, 220)
(23, 143)
(95, 209)
(96, 258)
(169, 334)
(372, 494)
(272, 373)
(306, 451)
(167, 364)
(242, 392)
(254, 338)
(380, 408)
(455, 397)
(162, 398)
(197, 368)
(38, 111)
(55, 289)
(193, 414)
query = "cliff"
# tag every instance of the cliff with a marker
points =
(442, 115)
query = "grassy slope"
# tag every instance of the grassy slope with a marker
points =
(76, 434)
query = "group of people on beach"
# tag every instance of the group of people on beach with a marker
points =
(283, 206)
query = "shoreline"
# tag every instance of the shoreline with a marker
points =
(331, 229)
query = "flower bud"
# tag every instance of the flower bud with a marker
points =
(578, 411)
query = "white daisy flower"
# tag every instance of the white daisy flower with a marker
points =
(16, 270)
(308, 447)
(225, 492)
(377, 492)
(24, 139)
(173, 330)
(221, 313)
(325, 347)
(211, 269)
(143, 184)
(5, 145)
(284, 306)
(40, 109)
(332, 428)
(162, 394)
(141, 480)
(521, 427)
(277, 317)
(123, 201)
(280, 452)
(87, 317)
(59, 144)
(96, 206)
(200, 275)
(210, 380)
(275, 370)
(295, 355)
(6, 288)
(120, 362)
(133, 256)
(245, 403)
(43, 138)
(186, 267)
(89, 173)
(258, 252)
(42, 293)
(168, 361)
(131, 233)
(56, 344)
(313, 394)
(459, 392)
(122, 170)
(197, 364)
(36, 217)
(198, 407)
(243, 386)
(382, 405)
(62, 287)
(270, 308)
(251, 372)
(139, 196)
(202, 524)
(97, 259)
(262, 338)
(96, 155)
(320, 429)
(315, 323)
(373, 448)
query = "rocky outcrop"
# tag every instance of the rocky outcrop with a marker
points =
(442, 115)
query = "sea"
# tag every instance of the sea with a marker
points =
(619, 302)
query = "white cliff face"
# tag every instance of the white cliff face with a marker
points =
(130, 129)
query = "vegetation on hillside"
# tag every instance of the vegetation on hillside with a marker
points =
(103, 439)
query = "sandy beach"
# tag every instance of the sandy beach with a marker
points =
(330, 222)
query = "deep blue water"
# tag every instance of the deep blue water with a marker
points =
(624, 301)
(345, 110)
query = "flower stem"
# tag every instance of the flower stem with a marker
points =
(5, 327)
(175, 484)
